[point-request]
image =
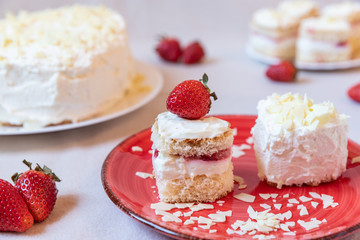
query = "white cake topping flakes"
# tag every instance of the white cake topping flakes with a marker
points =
(245, 197)
(136, 149)
(144, 175)
(305, 199)
(237, 152)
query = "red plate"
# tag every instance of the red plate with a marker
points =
(134, 195)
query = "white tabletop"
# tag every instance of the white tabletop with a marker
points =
(83, 210)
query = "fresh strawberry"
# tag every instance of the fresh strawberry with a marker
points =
(283, 72)
(169, 49)
(354, 92)
(38, 189)
(14, 213)
(190, 99)
(193, 53)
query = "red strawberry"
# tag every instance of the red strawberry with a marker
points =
(190, 99)
(354, 92)
(169, 49)
(193, 53)
(38, 189)
(283, 72)
(14, 213)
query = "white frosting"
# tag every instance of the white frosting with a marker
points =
(297, 8)
(171, 126)
(170, 167)
(62, 65)
(259, 41)
(325, 24)
(341, 10)
(298, 142)
(273, 19)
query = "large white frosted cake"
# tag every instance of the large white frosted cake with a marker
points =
(62, 65)
(298, 142)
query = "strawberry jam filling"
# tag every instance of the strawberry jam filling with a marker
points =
(219, 155)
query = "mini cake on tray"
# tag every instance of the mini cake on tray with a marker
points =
(274, 31)
(350, 12)
(298, 142)
(191, 154)
(324, 39)
(62, 65)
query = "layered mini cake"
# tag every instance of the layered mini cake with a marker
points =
(192, 158)
(298, 142)
(350, 12)
(62, 65)
(324, 39)
(274, 31)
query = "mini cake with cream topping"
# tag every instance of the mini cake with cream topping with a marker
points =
(191, 152)
(62, 65)
(324, 39)
(298, 142)
(192, 158)
(274, 31)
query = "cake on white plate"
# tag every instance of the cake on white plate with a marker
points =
(298, 142)
(324, 39)
(192, 158)
(274, 31)
(350, 12)
(62, 65)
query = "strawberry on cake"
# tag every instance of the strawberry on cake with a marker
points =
(192, 153)
(298, 142)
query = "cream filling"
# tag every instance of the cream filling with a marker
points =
(170, 167)
(171, 126)
(259, 41)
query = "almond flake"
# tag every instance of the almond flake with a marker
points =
(217, 217)
(287, 215)
(237, 152)
(212, 231)
(183, 205)
(293, 200)
(305, 199)
(188, 214)
(289, 233)
(235, 131)
(242, 186)
(304, 211)
(244, 147)
(194, 218)
(274, 195)
(206, 227)
(144, 175)
(300, 206)
(250, 140)
(334, 204)
(136, 149)
(220, 202)
(314, 204)
(265, 196)
(286, 195)
(188, 222)
(324, 220)
(162, 206)
(314, 195)
(225, 213)
(230, 231)
(204, 220)
(151, 151)
(264, 205)
(167, 217)
(178, 214)
(195, 228)
(290, 224)
(313, 223)
(355, 160)
(245, 197)
(239, 179)
(206, 206)
(253, 232)
(289, 205)
(285, 227)
(277, 206)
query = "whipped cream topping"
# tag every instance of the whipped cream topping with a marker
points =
(343, 9)
(172, 167)
(297, 8)
(273, 19)
(290, 112)
(172, 126)
(297, 141)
